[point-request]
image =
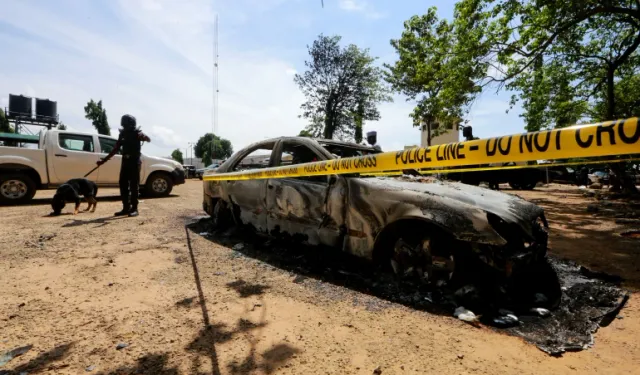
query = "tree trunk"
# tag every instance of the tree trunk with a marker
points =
(429, 133)
(611, 96)
(328, 127)
(329, 123)
(620, 181)
(358, 133)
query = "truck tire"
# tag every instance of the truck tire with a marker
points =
(158, 185)
(16, 188)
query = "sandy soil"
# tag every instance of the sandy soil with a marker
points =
(76, 287)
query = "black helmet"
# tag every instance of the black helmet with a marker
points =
(128, 122)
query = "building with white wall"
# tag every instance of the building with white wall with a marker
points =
(452, 134)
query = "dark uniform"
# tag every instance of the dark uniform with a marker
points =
(130, 141)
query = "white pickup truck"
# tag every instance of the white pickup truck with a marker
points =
(63, 155)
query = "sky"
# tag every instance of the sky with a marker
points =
(154, 60)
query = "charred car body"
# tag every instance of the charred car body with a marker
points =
(437, 231)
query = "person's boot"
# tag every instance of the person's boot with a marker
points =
(125, 211)
(133, 212)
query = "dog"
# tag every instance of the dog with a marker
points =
(71, 191)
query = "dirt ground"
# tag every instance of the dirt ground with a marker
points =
(77, 287)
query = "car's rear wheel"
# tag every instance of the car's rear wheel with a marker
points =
(418, 256)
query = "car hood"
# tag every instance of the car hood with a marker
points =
(509, 208)
(155, 160)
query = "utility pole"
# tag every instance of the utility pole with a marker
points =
(191, 144)
(214, 114)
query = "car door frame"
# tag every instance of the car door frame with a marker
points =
(114, 164)
(60, 152)
(313, 229)
(251, 211)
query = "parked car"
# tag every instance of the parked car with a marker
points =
(521, 178)
(63, 155)
(200, 172)
(599, 176)
(189, 171)
(437, 231)
(560, 174)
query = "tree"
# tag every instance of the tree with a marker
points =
(5, 127)
(62, 126)
(435, 70)
(337, 81)
(627, 99)
(305, 133)
(98, 116)
(209, 142)
(563, 57)
(177, 156)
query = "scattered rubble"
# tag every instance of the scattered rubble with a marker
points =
(540, 311)
(466, 316)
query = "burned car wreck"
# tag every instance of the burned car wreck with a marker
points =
(435, 232)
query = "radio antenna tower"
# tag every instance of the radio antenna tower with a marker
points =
(214, 109)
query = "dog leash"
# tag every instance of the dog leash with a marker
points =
(91, 171)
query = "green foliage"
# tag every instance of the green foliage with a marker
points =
(563, 57)
(338, 83)
(62, 126)
(98, 116)
(305, 133)
(627, 100)
(436, 69)
(5, 127)
(177, 156)
(209, 142)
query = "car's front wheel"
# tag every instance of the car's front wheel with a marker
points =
(159, 185)
(418, 255)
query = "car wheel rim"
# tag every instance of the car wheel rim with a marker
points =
(13, 189)
(159, 185)
(411, 261)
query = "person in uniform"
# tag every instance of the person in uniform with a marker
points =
(372, 139)
(130, 141)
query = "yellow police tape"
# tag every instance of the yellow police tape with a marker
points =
(502, 168)
(618, 137)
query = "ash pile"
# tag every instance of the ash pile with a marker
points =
(585, 300)
(589, 301)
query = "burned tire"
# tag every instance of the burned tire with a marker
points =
(416, 254)
(158, 185)
(222, 217)
(16, 188)
(540, 279)
(515, 185)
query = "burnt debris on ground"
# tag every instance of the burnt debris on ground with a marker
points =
(589, 299)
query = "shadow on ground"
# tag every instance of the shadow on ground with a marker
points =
(44, 362)
(581, 232)
(108, 198)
